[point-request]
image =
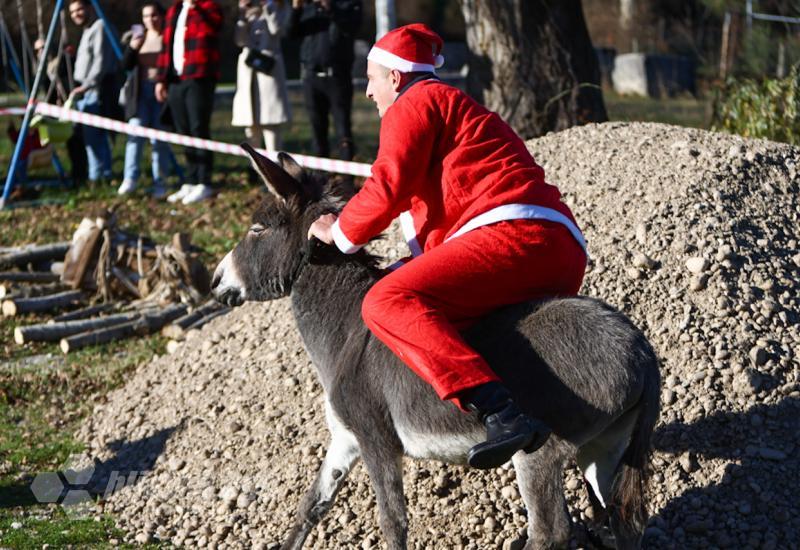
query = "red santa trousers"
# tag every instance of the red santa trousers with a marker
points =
(418, 309)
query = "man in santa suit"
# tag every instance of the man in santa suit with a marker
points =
(484, 228)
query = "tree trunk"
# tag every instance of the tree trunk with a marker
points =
(533, 63)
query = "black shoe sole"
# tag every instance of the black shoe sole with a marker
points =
(485, 456)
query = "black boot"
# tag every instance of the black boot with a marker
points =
(508, 429)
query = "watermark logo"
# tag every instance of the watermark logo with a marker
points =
(74, 485)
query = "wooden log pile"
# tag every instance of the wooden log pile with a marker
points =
(105, 284)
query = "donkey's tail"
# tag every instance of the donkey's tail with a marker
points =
(628, 494)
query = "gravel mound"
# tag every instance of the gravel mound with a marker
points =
(693, 234)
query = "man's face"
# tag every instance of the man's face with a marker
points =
(381, 86)
(77, 12)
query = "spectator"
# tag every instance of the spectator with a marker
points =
(94, 63)
(188, 70)
(328, 29)
(261, 103)
(139, 99)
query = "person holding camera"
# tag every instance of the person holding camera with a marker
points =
(328, 29)
(261, 102)
(138, 98)
(188, 71)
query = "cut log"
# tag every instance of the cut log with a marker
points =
(34, 254)
(146, 324)
(43, 303)
(83, 313)
(176, 330)
(12, 291)
(52, 332)
(28, 276)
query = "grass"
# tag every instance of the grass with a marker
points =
(45, 395)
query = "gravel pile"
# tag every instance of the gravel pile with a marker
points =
(692, 234)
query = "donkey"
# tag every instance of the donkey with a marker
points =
(576, 363)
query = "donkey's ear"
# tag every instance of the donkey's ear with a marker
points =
(277, 180)
(291, 166)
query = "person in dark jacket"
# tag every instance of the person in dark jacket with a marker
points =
(188, 71)
(139, 99)
(328, 29)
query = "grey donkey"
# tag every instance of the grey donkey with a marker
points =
(576, 363)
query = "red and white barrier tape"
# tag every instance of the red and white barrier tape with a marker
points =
(12, 111)
(317, 163)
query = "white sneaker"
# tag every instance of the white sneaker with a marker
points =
(127, 186)
(158, 191)
(180, 193)
(198, 193)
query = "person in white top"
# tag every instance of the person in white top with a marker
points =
(188, 70)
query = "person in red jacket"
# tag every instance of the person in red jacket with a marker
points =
(188, 70)
(484, 228)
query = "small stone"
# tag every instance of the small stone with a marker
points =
(244, 500)
(509, 492)
(668, 398)
(234, 427)
(246, 353)
(143, 538)
(290, 382)
(209, 493)
(573, 484)
(634, 273)
(688, 462)
(697, 265)
(489, 524)
(173, 346)
(228, 494)
(644, 261)
(176, 464)
(16, 525)
(206, 346)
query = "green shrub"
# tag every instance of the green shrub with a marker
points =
(765, 108)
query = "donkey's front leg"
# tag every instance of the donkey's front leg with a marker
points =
(384, 465)
(342, 453)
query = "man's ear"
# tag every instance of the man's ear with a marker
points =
(396, 78)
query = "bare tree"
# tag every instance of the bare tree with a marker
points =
(532, 62)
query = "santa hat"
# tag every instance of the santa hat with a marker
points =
(408, 49)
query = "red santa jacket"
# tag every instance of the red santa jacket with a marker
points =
(201, 42)
(446, 165)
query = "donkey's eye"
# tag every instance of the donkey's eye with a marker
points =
(257, 228)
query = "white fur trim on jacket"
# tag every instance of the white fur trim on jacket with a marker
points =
(342, 242)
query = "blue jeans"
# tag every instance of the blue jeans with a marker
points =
(148, 112)
(98, 149)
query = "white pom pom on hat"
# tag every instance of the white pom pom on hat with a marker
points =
(411, 48)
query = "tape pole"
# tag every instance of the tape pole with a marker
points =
(26, 121)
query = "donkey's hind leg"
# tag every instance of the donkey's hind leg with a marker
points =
(539, 476)
(342, 453)
(385, 468)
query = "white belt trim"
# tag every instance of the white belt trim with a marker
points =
(521, 212)
(497, 214)
(407, 225)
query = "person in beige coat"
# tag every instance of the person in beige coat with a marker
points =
(261, 103)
